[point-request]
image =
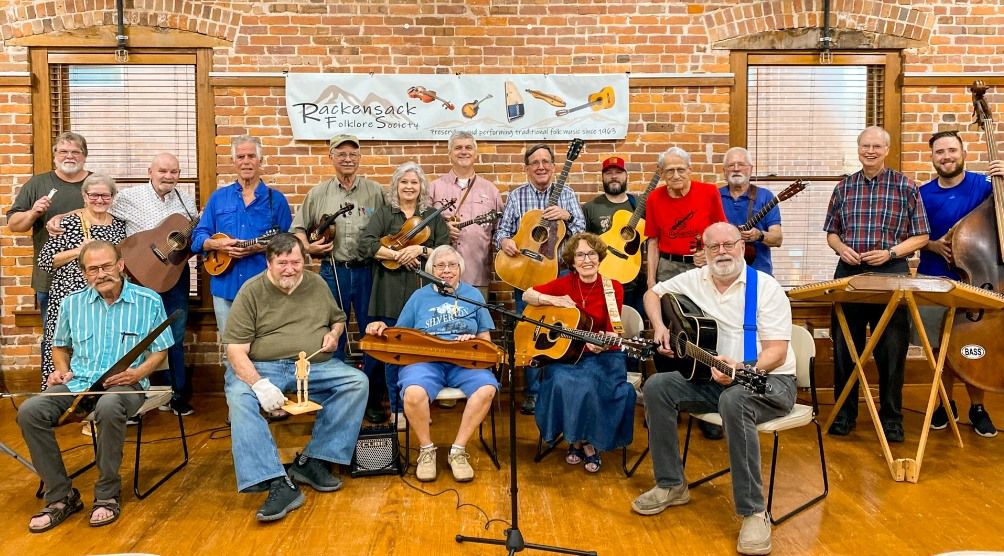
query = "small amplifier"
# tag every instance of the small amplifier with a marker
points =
(377, 452)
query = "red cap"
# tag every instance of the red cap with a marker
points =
(614, 162)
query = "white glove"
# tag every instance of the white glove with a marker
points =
(269, 396)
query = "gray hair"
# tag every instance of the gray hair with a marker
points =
(97, 244)
(727, 225)
(461, 135)
(70, 137)
(677, 152)
(439, 252)
(746, 154)
(885, 134)
(424, 200)
(99, 179)
(283, 244)
(239, 140)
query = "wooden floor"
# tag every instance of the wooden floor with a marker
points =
(958, 504)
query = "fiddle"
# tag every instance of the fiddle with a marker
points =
(325, 227)
(414, 231)
(426, 95)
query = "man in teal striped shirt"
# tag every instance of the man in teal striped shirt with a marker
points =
(96, 327)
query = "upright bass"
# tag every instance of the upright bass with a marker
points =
(975, 352)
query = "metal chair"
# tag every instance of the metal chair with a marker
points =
(800, 415)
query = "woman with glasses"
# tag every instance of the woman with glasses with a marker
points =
(589, 402)
(448, 318)
(407, 197)
(59, 254)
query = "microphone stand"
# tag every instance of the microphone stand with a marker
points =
(513, 541)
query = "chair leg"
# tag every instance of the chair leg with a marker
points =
(630, 470)
(406, 456)
(810, 502)
(543, 452)
(686, 450)
(493, 453)
(139, 444)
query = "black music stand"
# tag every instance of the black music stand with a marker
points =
(513, 541)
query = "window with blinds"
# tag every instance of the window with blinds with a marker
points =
(128, 114)
(802, 123)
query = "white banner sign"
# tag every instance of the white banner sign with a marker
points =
(491, 107)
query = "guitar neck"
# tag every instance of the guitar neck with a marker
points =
(552, 199)
(705, 357)
(640, 209)
(760, 214)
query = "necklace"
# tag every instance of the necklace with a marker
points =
(583, 295)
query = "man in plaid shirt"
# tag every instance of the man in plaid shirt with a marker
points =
(875, 220)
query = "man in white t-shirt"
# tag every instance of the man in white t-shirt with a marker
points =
(719, 290)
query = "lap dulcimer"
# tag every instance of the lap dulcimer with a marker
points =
(403, 346)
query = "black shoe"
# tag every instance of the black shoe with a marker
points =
(710, 430)
(179, 407)
(258, 487)
(376, 415)
(529, 405)
(893, 431)
(283, 497)
(982, 424)
(940, 418)
(842, 426)
(314, 472)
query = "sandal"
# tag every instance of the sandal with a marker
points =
(574, 455)
(71, 505)
(593, 461)
(112, 505)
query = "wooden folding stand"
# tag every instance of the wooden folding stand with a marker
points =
(892, 290)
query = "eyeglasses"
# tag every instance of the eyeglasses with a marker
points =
(97, 196)
(677, 171)
(583, 255)
(542, 163)
(737, 165)
(346, 156)
(95, 270)
(64, 153)
(444, 266)
(728, 245)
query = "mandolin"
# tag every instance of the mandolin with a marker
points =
(471, 108)
(325, 227)
(486, 218)
(155, 258)
(789, 192)
(537, 239)
(625, 238)
(694, 339)
(600, 100)
(217, 262)
(559, 334)
(414, 231)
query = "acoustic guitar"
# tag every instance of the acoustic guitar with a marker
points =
(560, 334)
(537, 239)
(694, 339)
(156, 258)
(789, 192)
(600, 100)
(325, 227)
(625, 238)
(414, 231)
(217, 262)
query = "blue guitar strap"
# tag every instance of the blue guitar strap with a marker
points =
(749, 320)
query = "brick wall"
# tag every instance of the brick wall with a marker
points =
(489, 36)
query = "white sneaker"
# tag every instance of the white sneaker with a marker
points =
(86, 430)
(425, 470)
(462, 470)
(754, 537)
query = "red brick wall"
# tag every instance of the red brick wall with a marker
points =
(480, 36)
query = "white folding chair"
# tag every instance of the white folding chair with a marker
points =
(449, 393)
(800, 415)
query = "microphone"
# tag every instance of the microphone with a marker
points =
(443, 285)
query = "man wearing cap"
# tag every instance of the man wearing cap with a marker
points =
(475, 196)
(741, 200)
(599, 214)
(348, 276)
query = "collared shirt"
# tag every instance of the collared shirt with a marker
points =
(474, 243)
(946, 207)
(143, 209)
(326, 198)
(876, 214)
(737, 211)
(100, 334)
(773, 311)
(526, 198)
(226, 213)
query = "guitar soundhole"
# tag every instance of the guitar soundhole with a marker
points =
(539, 234)
(628, 233)
(177, 240)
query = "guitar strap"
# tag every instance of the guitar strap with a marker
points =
(751, 195)
(85, 227)
(749, 319)
(467, 191)
(611, 297)
(180, 200)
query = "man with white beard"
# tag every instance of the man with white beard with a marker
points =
(719, 289)
(741, 200)
(47, 196)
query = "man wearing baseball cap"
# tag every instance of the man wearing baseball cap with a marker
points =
(348, 276)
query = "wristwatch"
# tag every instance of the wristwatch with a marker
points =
(892, 254)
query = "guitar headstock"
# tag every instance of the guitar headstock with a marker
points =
(792, 190)
(751, 378)
(574, 149)
(639, 348)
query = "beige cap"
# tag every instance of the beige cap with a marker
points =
(337, 140)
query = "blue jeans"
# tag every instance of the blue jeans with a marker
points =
(341, 391)
(221, 308)
(177, 298)
(42, 300)
(352, 292)
(383, 380)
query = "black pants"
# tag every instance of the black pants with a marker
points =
(890, 352)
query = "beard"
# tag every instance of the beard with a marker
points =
(288, 282)
(737, 179)
(725, 267)
(69, 166)
(959, 168)
(613, 187)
